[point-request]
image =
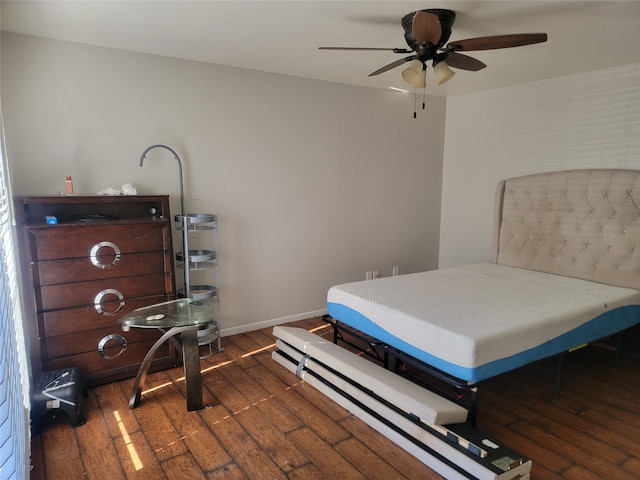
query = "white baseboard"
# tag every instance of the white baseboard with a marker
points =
(225, 332)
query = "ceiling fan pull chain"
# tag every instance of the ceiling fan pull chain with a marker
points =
(415, 101)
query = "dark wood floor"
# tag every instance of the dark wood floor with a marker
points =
(262, 422)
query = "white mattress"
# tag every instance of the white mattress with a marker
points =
(476, 321)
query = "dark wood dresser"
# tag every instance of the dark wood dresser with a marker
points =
(105, 256)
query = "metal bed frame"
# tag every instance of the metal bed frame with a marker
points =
(450, 387)
(459, 391)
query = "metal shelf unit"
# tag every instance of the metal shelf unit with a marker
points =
(197, 260)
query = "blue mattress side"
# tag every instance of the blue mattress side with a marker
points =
(606, 324)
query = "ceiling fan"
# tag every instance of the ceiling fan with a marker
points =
(426, 33)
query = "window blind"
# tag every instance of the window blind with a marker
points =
(14, 380)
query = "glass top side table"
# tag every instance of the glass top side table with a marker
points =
(183, 317)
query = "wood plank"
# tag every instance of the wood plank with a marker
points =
(260, 427)
(321, 423)
(578, 472)
(250, 458)
(562, 425)
(632, 465)
(239, 347)
(307, 472)
(163, 438)
(114, 404)
(212, 366)
(137, 458)
(541, 472)
(99, 453)
(573, 453)
(228, 472)
(586, 413)
(616, 429)
(271, 440)
(364, 460)
(61, 450)
(323, 456)
(263, 338)
(402, 461)
(252, 391)
(283, 418)
(183, 466)
(192, 429)
(613, 395)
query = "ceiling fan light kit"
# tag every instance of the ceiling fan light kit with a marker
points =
(426, 33)
(443, 72)
(415, 74)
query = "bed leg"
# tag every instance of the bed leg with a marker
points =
(618, 352)
(559, 367)
(336, 333)
(473, 411)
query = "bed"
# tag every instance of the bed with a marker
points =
(565, 271)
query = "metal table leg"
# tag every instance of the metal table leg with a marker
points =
(191, 366)
(192, 375)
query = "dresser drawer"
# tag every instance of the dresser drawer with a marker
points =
(109, 342)
(108, 295)
(94, 366)
(80, 269)
(87, 317)
(71, 241)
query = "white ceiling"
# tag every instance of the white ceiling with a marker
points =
(284, 36)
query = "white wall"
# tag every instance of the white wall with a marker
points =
(314, 183)
(589, 120)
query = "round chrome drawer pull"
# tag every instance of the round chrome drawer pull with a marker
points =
(93, 254)
(103, 343)
(97, 302)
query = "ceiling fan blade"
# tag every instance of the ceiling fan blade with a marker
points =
(426, 28)
(464, 62)
(497, 41)
(392, 65)
(395, 50)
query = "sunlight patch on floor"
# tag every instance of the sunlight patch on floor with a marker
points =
(137, 464)
(158, 387)
(321, 327)
(213, 367)
(254, 352)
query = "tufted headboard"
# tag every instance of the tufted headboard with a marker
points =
(576, 223)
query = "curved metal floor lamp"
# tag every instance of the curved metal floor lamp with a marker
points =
(185, 240)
